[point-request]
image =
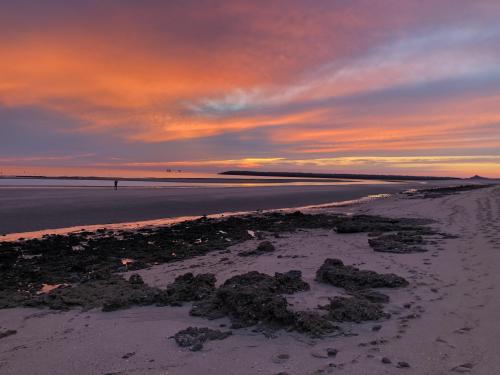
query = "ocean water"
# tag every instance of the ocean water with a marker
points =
(134, 225)
(212, 181)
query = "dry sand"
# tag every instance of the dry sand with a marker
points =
(454, 293)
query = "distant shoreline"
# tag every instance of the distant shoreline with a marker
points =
(337, 175)
(266, 177)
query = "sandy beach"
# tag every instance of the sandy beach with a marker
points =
(443, 321)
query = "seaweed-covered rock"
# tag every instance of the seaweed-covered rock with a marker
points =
(342, 309)
(400, 243)
(86, 256)
(7, 258)
(264, 247)
(334, 272)
(290, 282)
(112, 293)
(245, 306)
(439, 192)
(371, 295)
(368, 223)
(136, 279)
(287, 283)
(312, 324)
(252, 298)
(195, 337)
(188, 287)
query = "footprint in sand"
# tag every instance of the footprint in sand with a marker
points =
(463, 368)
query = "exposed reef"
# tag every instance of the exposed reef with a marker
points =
(334, 272)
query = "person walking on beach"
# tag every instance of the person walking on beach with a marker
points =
(116, 184)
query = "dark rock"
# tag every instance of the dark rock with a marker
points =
(342, 309)
(188, 287)
(331, 352)
(377, 224)
(290, 282)
(252, 298)
(7, 258)
(245, 306)
(371, 295)
(403, 364)
(195, 337)
(334, 272)
(386, 360)
(286, 283)
(264, 247)
(312, 324)
(112, 293)
(128, 355)
(400, 243)
(136, 279)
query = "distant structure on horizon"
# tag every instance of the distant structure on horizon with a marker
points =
(336, 175)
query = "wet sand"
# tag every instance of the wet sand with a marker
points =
(25, 209)
(444, 322)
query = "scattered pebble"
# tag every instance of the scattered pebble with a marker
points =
(128, 355)
(319, 354)
(280, 358)
(331, 352)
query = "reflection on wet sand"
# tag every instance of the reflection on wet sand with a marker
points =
(170, 221)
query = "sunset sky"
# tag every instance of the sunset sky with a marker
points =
(135, 87)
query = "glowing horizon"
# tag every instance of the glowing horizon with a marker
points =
(332, 86)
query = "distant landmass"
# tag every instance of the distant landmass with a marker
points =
(476, 177)
(336, 175)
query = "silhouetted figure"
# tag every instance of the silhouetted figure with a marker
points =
(116, 184)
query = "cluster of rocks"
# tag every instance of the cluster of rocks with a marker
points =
(113, 292)
(378, 224)
(390, 235)
(249, 299)
(256, 298)
(253, 298)
(364, 303)
(110, 293)
(82, 256)
(334, 272)
(354, 309)
(88, 274)
(400, 243)
(187, 288)
(79, 256)
(444, 191)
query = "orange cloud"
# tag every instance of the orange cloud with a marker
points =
(328, 78)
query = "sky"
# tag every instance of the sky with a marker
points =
(128, 87)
